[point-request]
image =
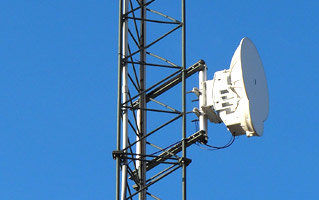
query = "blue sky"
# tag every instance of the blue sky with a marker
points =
(58, 83)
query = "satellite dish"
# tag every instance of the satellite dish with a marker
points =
(239, 95)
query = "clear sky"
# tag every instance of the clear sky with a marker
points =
(58, 83)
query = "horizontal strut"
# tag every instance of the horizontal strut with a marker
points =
(172, 82)
(199, 136)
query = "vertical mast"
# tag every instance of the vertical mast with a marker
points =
(119, 98)
(141, 112)
(125, 97)
(139, 168)
(184, 165)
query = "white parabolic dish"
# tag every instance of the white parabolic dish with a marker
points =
(240, 94)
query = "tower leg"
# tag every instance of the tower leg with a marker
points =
(141, 113)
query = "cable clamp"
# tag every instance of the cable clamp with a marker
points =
(117, 154)
(185, 161)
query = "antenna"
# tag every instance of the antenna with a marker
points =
(238, 97)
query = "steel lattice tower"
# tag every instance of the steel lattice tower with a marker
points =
(144, 76)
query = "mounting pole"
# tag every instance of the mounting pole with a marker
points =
(202, 77)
